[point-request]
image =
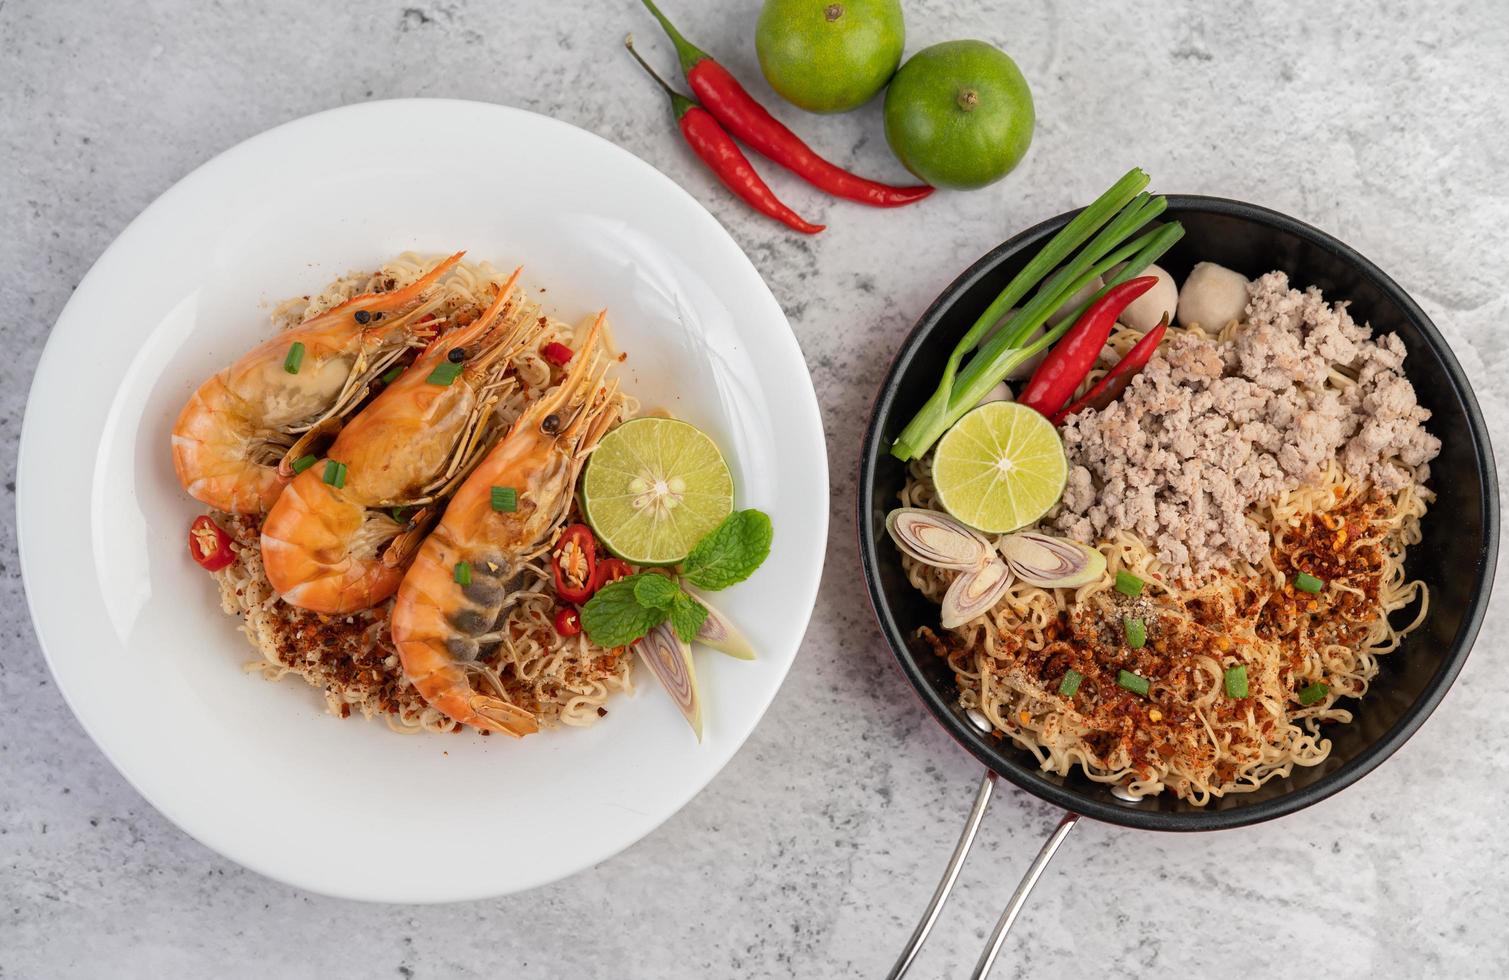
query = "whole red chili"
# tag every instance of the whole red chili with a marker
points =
(1055, 380)
(209, 545)
(1110, 387)
(573, 562)
(556, 353)
(736, 109)
(610, 570)
(718, 150)
(567, 621)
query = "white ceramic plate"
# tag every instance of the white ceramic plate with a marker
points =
(131, 627)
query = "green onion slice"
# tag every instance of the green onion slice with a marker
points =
(335, 473)
(445, 373)
(392, 374)
(1133, 683)
(295, 357)
(505, 499)
(400, 515)
(1070, 684)
(464, 573)
(1136, 631)
(1128, 584)
(1236, 681)
(304, 462)
(1306, 582)
(1315, 692)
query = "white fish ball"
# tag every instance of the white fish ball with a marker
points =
(1212, 296)
(1147, 309)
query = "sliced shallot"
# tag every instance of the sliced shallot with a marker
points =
(936, 539)
(718, 632)
(974, 592)
(1050, 562)
(670, 660)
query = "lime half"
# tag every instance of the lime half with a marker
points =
(655, 487)
(1000, 467)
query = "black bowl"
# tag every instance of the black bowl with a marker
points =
(1455, 559)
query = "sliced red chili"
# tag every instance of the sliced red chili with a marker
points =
(611, 570)
(574, 563)
(567, 621)
(209, 545)
(557, 353)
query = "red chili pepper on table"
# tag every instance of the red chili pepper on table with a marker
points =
(723, 96)
(573, 562)
(209, 545)
(1064, 369)
(723, 156)
(1110, 387)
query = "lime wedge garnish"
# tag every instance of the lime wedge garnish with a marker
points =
(653, 488)
(1000, 467)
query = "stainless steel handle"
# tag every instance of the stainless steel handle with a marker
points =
(951, 875)
(1019, 897)
(946, 883)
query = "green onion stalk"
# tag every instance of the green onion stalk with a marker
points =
(1112, 219)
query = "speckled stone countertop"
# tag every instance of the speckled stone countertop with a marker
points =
(812, 854)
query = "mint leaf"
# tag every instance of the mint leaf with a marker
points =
(615, 618)
(655, 591)
(687, 615)
(731, 551)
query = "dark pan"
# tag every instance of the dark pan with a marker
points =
(1455, 559)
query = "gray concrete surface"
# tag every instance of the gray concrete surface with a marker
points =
(812, 853)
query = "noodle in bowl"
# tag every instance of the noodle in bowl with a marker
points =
(351, 658)
(1008, 663)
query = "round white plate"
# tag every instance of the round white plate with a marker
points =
(131, 627)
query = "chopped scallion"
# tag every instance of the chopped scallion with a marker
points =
(505, 499)
(392, 374)
(1314, 693)
(400, 515)
(445, 373)
(295, 357)
(1136, 631)
(1306, 582)
(1236, 681)
(464, 573)
(1132, 682)
(335, 473)
(1128, 584)
(304, 462)
(1070, 684)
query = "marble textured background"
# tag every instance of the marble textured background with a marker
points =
(813, 852)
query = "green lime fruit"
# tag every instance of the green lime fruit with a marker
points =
(959, 114)
(653, 488)
(829, 56)
(1001, 467)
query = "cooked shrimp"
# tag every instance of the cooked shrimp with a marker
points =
(232, 439)
(452, 606)
(337, 548)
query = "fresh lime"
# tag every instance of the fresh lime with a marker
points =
(959, 114)
(1000, 467)
(829, 56)
(653, 488)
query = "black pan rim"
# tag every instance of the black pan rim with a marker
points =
(1004, 758)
